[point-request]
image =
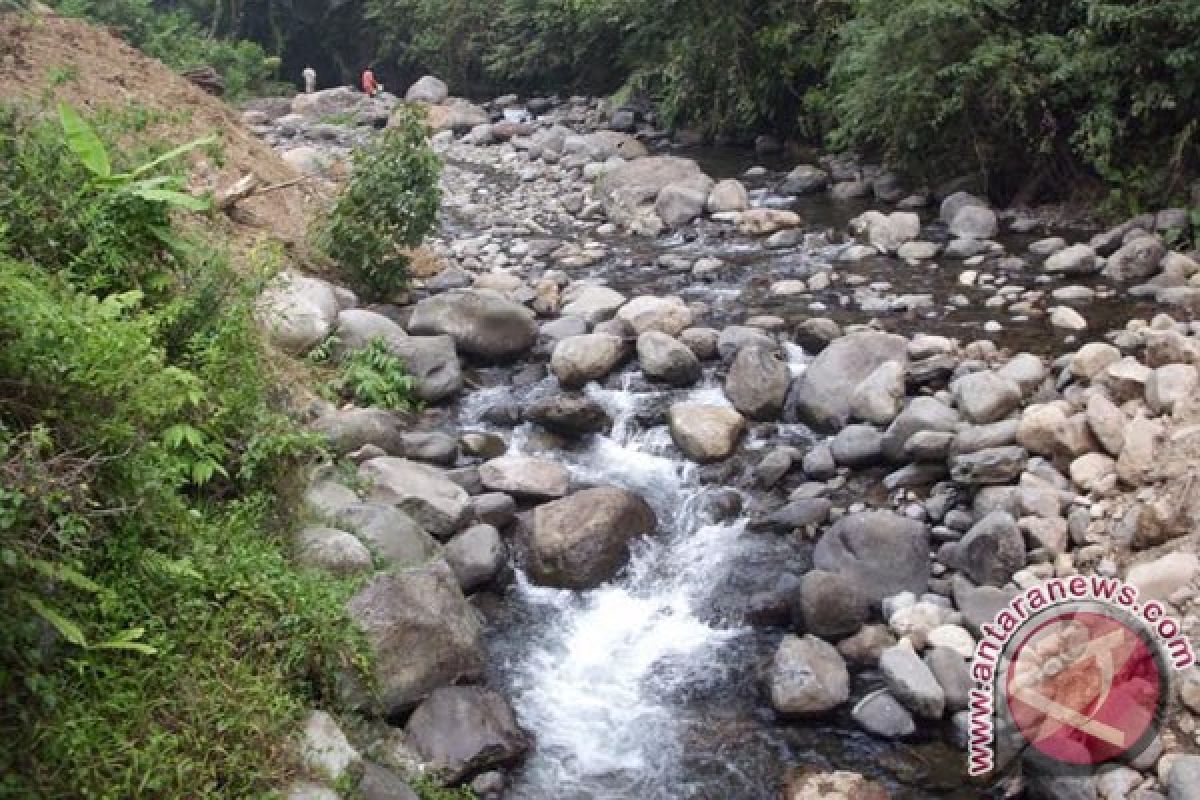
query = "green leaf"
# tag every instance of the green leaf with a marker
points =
(65, 574)
(172, 198)
(84, 142)
(68, 629)
(137, 647)
(173, 154)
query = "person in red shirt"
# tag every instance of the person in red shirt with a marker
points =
(369, 84)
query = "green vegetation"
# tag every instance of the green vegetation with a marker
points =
(386, 209)
(157, 641)
(374, 377)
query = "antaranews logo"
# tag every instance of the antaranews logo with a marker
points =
(1079, 669)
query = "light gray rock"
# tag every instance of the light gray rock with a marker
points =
(807, 676)
(579, 360)
(351, 429)
(666, 359)
(1137, 260)
(297, 312)
(388, 533)
(476, 555)
(878, 398)
(757, 383)
(728, 195)
(824, 390)
(912, 682)
(883, 552)
(423, 492)
(325, 749)
(922, 414)
(881, 715)
(857, 446)
(332, 550)
(1078, 259)
(526, 476)
(985, 396)
(975, 222)
(593, 303)
(460, 731)
(669, 315)
(429, 90)
(482, 323)
(628, 193)
(705, 433)
(953, 674)
(677, 205)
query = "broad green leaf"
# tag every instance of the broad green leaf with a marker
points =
(173, 154)
(65, 574)
(137, 647)
(84, 142)
(69, 630)
(172, 198)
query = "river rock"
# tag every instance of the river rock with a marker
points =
(880, 395)
(809, 785)
(1107, 423)
(1078, 259)
(569, 415)
(985, 396)
(433, 363)
(666, 359)
(880, 714)
(807, 676)
(975, 222)
(1138, 459)
(1138, 259)
(727, 195)
(421, 631)
(883, 552)
(677, 205)
(1170, 386)
(887, 232)
(1163, 577)
(579, 360)
(757, 383)
(956, 202)
(423, 492)
(831, 605)
(460, 731)
(476, 555)
(351, 429)
(857, 446)
(483, 324)
(455, 114)
(332, 550)
(526, 476)
(582, 540)
(297, 312)
(358, 327)
(593, 303)
(923, 414)
(629, 192)
(705, 433)
(669, 315)
(912, 682)
(391, 535)
(995, 465)
(805, 179)
(824, 391)
(1093, 471)
(993, 550)
(428, 90)
(765, 221)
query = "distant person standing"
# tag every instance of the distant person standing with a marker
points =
(369, 84)
(310, 80)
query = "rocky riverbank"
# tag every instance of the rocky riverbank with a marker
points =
(847, 444)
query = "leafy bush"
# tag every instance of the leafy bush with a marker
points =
(158, 642)
(375, 377)
(388, 207)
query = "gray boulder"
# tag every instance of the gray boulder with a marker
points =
(423, 492)
(476, 555)
(526, 476)
(881, 551)
(629, 192)
(807, 676)
(912, 682)
(350, 429)
(923, 414)
(392, 536)
(579, 360)
(881, 715)
(582, 540)
(824, 391)
(986, 396)
(993, 466)
(666, 359)
(705, 433)
(993, 550)
(429, 90)
(332, 550)
(569, 415)
(421, 631)
(297, 312)
(832, 605)
(460, 731)
(857, 446)
(757, 383)
(483, 324)
(1136, 260)
(677, 205)
(805, 179)
(975, 222)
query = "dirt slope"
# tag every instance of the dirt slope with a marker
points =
(46, 58)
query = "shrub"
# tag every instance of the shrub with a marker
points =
(375, 377)
(388, 207)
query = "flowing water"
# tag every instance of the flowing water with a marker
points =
(651, 686)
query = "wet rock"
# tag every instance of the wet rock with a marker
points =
(332, 550)
(705, 433)
(985, 396)
(728, 195)
(1136, 260)
(297, 312)
(805, 179)
(887, 232)
(483, 324)
(765, 221)
(807, 676)
(880, 395)
(797, 514)
(996, 465)
(736, 337)
(1093, 359)
(912, 682)
(665, 359)
(773, 467)
(421, 491)
(882, 551)
(483, 445)
(703, 342)
(819, 463)
(956, 202)
(494, 508)
(757, 383)
(579, 360)
(421, 631)
(824, 390)
(1068, 319)
(831, 605)
(952, 672)
(526, 476)
(351, 429)
(1078, 259)
(864, 648)
(476, 555)
(857, 446)
(460, 731)
(669, 315)
(918, 251)
(582, 540)
(881, 715)
(593, 303)
(678, 205)
(922, 414)
(993, 550)
(569, 415)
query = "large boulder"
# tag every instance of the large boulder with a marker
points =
(629, 192)
(887, 232)
(604, 145)
(332, 550)
(677, 204)
(808, 676)
(482, 323)
(579, 360)
(883, 552)
(431, 360)
(993, 550)
(1078, 259)
(428, 90)
(460, 731)
(422, 634)
(805, 179)
(455, 115)
(823, 393)
(338, 100)
(592, 303)
(525, 476)
(347, 430)
(912, 682)
(569, 415)
(986, 396)
(392, 536)
(669, 315)
(1137, 260)
(975, 222)
(757, 383)
(476, 555)
(298, 312)
(580, 541)
(705, 433)
(727, 195)
(423, 492)
(667, 359)
(922, 415)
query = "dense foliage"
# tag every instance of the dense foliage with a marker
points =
(375, 377)
(387, 208)
(157, 643)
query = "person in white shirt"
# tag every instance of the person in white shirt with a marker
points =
(310, 80)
